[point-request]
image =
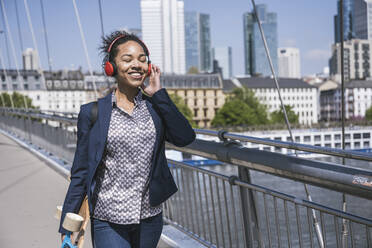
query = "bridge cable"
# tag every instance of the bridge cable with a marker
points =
(344, 242)
(40, 69)
(19, 27)
(45, 35)
(6, 79)
(85, 48)
(101, 18)
(316, 222)
(13, 51)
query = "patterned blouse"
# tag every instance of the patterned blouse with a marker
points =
(121, 194)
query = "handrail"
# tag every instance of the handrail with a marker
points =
(222, 134)
(289, 145)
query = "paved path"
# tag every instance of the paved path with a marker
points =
(29, 194)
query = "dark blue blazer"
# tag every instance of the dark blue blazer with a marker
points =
(170, 126)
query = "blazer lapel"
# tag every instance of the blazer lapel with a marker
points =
(104, 115)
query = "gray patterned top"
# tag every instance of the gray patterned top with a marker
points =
(124, 172)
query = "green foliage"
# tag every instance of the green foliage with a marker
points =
(241, 108)
(369, 114)
(193, 70)
(183, 108)
(277, 117)
(18, 100)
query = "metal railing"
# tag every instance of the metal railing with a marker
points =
(229, 210)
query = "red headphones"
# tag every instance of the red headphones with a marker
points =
(110, 67)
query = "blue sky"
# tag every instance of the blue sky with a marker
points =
(305, 24)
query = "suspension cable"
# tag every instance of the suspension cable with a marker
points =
(35, 43)
(13, 51)
(6, 42)
(85, 48)
(344, 241)
(101, 18)
(45, 35)
(19, 27)
(6, 79)
(316, 222)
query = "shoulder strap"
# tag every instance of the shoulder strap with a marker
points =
(94, 113)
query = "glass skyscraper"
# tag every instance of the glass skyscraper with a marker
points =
(224, 57)
(256, 62)
(348, 20)
(198, 41)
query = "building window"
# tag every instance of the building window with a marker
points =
(25, 86)
(307, 138)
(357, 136)
(25, 78)
(4, 87)
(38, 97)
(195, 93)
(3, 78)
(205, 102)
(298, 138)
(278, 138)
(347, 136)
(327, 137)
(366, 144)
(205, 112)
(338, 145)
(195, 102)
(366, 135)
(337, 136)
(317, 138)
(196, 112)
(37, 86)
(215, 102)
(204, 93)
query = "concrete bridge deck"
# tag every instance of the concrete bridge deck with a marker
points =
(29, 194)
(29, 191)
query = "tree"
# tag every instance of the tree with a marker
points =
(241, 108)
(18, 100)
(277, 116)
(369, 114)
(193, 70)
(183, 108)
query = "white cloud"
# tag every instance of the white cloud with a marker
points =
(316, 54)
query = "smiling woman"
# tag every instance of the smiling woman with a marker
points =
(120, 161)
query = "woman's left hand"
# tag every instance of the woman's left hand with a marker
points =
(154, 81)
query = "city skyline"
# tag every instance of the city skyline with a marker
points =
(313, 36)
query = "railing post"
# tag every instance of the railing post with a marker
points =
(249, 210)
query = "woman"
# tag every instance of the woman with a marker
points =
(120, 159)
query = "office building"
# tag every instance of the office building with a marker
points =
(289, 62)
(256, 62)
(30, 59)
(224, 57)
(163, 31)
(357, 60)
(348, 20)
(363, 19)
(198, 41)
